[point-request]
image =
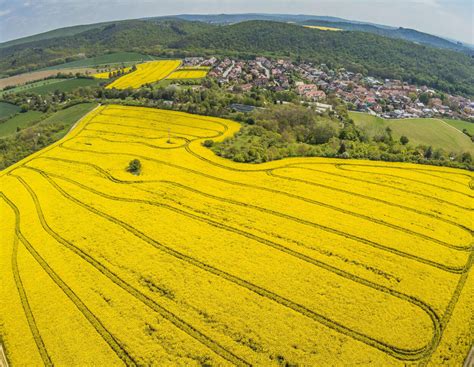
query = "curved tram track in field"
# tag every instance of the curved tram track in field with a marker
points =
(282, 215)
(420, 354)
(21, 290)
(271, 172)
(114, 344)
(344, 167)
(396, 352)
(108, 176)
(147, 301)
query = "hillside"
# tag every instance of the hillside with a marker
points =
(403, 33)
(335, 22)
(398, 33)
(429, 132)
(194, 260)
(55, 33)
(357, 51)
(134, 35)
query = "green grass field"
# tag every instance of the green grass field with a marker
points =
(66, 85)
(32, 86)
(67, 117)
(51, 85)
(461, 125)
(7, 109)
(21, 120)
(432, 132)
(108, 59)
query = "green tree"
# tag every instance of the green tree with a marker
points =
(404, 140)
(342, 148)
(428, 152)
(134, 167)
(424, 98)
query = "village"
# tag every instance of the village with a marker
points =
(314, 83)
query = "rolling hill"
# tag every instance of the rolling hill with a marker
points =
(135, 35)
(351, 25)
(335, 22)
(55, 33)
(398, 33)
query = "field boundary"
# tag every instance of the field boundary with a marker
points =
(469, 362)
(458, 270)
(68, 136)
(402, 354)
(146, 300)
(3, 358)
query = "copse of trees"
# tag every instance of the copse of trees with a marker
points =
(295, 131)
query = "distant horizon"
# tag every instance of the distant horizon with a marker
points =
(449, 19)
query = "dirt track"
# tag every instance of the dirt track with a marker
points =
(38, 75)
(469, 362)
(3, 359)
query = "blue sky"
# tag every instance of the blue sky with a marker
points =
(449, 18)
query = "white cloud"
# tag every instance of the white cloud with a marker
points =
(5, 12)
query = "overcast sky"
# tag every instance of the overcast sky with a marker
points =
(449, 18)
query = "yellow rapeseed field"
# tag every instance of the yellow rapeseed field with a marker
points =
(202, 261)
(323, 28)
(189, 73)
(149, 72)
(106, 74)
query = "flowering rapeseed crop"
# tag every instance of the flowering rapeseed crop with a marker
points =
(189, 73)
(107, 74)
(149, 72)
(199, 260)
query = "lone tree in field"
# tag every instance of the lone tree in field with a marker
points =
(404, 140)
(134, 167)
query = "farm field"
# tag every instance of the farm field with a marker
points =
(66, 85)
(7, 109)
(202, 261)
(62, 85)
(188, 73)
(20, 120)
(426, 131)
(149, 72)
(66, 117)
(321, 28)
(461, 125)
(107, 59)
(106, 74)
(21, 79)
(33, 86)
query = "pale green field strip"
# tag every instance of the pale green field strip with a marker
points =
(429, 131)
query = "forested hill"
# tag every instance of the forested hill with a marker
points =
(149, 37)
(400, 33)
(348, 25)
(357, 51)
